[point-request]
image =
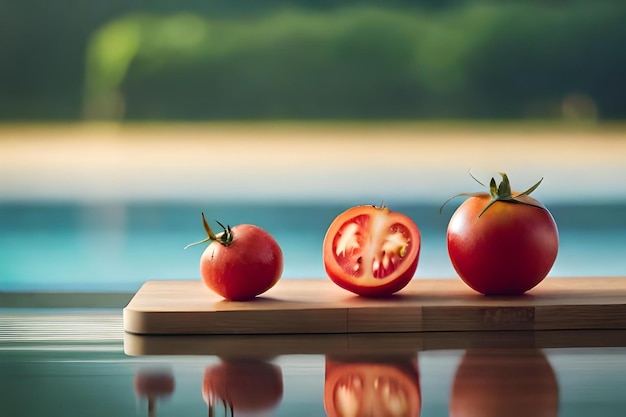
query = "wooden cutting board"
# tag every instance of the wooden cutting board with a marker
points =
(301, 306)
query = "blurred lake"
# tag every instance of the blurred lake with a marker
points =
(93, 208)
(117, 248)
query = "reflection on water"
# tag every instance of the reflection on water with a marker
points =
(242, 386)
(490, 383)
(154, 385)
(58, 380)
(473, 382)
(383, 386)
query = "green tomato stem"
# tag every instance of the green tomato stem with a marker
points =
(499, 192)
(225, 237)
(207, 228)
(502, 192)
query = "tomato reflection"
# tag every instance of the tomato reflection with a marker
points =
(247, 385)
(372, 387)
(152, 385)
(504, 383)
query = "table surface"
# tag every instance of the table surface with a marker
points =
(73, 362)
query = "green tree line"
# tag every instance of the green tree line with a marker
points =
(321, 60)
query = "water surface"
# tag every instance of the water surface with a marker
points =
(117, 247)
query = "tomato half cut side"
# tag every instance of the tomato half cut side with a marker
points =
(372, 387)
(371, 251)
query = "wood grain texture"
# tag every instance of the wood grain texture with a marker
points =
(313, 306)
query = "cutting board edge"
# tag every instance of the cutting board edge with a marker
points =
(374, 316)
(305, 321)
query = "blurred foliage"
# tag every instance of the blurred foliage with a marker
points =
(307, 59)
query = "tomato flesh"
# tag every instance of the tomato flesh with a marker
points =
(371, 251)
(371, 387)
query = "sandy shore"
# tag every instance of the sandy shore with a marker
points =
(368, 163)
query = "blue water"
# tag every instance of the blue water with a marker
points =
(117, 247)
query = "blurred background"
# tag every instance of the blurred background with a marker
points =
(120, 122)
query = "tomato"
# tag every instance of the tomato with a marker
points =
(504, 382)
(152, 385)
(371, 251)
(373, 387)
(500, 243)
(241, 262)
(242, 386)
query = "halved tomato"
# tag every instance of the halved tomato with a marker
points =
(371, 251)
(387, 386)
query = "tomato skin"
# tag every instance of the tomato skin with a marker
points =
(244, 385)
(504, 382)
(250, 265)
(154, 384)
(375, 226)
(508, 250)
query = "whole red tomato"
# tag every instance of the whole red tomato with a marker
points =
(372, 387)
(504, 382)
(501, 243)
(371, 251)
(241, 262)
(243, 386)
